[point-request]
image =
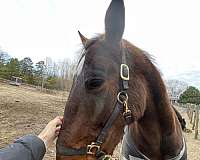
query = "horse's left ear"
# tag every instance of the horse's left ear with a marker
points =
(115, 21)
(83, 39)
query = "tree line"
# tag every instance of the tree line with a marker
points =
(47, 74)
(191, 95)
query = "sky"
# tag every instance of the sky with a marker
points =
(167, 29)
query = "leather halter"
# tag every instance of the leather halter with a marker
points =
(94, 149)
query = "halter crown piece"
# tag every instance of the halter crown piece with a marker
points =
(124, 75)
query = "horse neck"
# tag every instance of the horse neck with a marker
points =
(158, 132)
(161, 104)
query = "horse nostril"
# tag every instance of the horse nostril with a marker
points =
(93, 83)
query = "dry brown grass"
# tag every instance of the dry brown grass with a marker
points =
(27, 111)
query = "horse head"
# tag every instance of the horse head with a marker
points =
(115, 84)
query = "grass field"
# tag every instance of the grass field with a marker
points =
(27, 111)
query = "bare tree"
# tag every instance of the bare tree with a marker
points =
(4, 57)
(64, 67)
(49, 66)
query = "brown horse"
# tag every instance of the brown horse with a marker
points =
(180, 118)
(117, 94)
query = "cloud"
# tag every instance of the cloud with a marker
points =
(169, 30)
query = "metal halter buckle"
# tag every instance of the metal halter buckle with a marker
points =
(124, 72)
(93, 148)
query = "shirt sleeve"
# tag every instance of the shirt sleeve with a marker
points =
(29, 147)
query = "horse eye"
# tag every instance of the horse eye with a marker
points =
(93, 83)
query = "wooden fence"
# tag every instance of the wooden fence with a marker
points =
(193, 114)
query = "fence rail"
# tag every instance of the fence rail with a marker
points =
(193, 114)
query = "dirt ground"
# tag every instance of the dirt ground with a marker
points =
(27, 111)
(193, 145)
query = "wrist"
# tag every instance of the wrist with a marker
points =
(44, 139)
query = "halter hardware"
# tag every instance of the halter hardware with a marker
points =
(93, 148)
(126, 109)
(105, 157)
(122, 97)
(124, 72)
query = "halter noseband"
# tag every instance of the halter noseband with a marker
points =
(94, 149)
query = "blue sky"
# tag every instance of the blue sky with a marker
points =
(167, 29)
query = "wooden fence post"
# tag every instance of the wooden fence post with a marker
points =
(192, 111)
(188, 110)
(195, 117)
(197, 122)
(189, 113)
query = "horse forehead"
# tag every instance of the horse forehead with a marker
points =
(81, 63)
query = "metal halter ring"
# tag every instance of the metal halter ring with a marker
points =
(124, 94)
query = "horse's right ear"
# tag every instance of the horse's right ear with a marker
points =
(84, 40)
(115, 21)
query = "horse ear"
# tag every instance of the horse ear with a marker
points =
(83, 39)
(115, 21)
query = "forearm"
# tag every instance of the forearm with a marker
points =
(29, 147)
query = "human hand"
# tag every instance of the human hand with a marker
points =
(51, 131)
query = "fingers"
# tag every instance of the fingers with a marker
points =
(58, 128)
(60, 117)
(51, 131)
(58, 120)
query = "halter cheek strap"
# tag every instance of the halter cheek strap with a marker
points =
(121, 106)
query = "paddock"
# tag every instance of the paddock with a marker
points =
(26, 110)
